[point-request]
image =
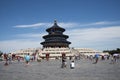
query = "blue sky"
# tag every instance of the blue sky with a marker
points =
(89, 23)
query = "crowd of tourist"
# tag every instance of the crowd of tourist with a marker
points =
(8, 58)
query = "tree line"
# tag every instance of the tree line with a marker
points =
(117, 50)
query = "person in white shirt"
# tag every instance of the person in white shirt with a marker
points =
(72, 65)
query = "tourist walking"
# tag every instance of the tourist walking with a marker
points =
(10, 58)
(27, 59)
(96, 57)
(6, 59)
(112, 60)
(18, 58)
(102, 57)
(72, 65)
(64, 63)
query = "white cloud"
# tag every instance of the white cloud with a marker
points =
(67, 24)
(95, 37)
(29, 40)
(32, 25)
(12, 45)
(64, 25)
(96, 33)
(31, 35)
(99, 23)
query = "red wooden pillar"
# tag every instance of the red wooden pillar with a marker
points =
(63, 55)
(47, 56)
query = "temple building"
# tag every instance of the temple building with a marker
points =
(55, 44)
(55, 37)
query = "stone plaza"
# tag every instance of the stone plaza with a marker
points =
(51, 70)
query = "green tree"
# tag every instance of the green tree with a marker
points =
(113, 51)
(1, 53)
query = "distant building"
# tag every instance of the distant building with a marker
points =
(57, 52)
(89, 51)
(23, 52)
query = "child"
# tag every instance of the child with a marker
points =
(72, 65)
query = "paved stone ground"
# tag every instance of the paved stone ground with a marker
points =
(51, 70)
